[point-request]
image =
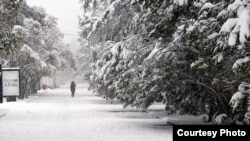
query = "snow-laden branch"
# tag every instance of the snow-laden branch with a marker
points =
(237, 98)
(239, 63)
(238, 28)
(180, 2)
(206, 6)
(109, 11)
(28, 50)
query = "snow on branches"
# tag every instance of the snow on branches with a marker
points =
(108, 12)
(238, 28)
(237, 98)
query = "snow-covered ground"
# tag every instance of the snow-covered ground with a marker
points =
(52, 115)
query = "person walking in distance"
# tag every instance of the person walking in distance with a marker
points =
(73, 88)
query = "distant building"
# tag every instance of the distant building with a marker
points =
(59, 78)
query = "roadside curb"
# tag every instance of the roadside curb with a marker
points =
(162, 118)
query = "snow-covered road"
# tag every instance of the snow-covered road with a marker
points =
(55, 116)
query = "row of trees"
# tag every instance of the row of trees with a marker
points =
(30, 40)
(193, 55)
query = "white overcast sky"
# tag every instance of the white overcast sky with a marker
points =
(66, 11)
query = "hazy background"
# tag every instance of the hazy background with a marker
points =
(67, 12)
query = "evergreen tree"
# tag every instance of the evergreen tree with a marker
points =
(190, 55)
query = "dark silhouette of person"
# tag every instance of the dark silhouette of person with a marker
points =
(73, 88)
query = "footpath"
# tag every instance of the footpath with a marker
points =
(56, 116)
(157, 110)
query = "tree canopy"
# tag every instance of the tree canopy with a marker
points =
(31, 40)
(192, 56)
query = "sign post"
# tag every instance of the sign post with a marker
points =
(1, 87)
(11, 83)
